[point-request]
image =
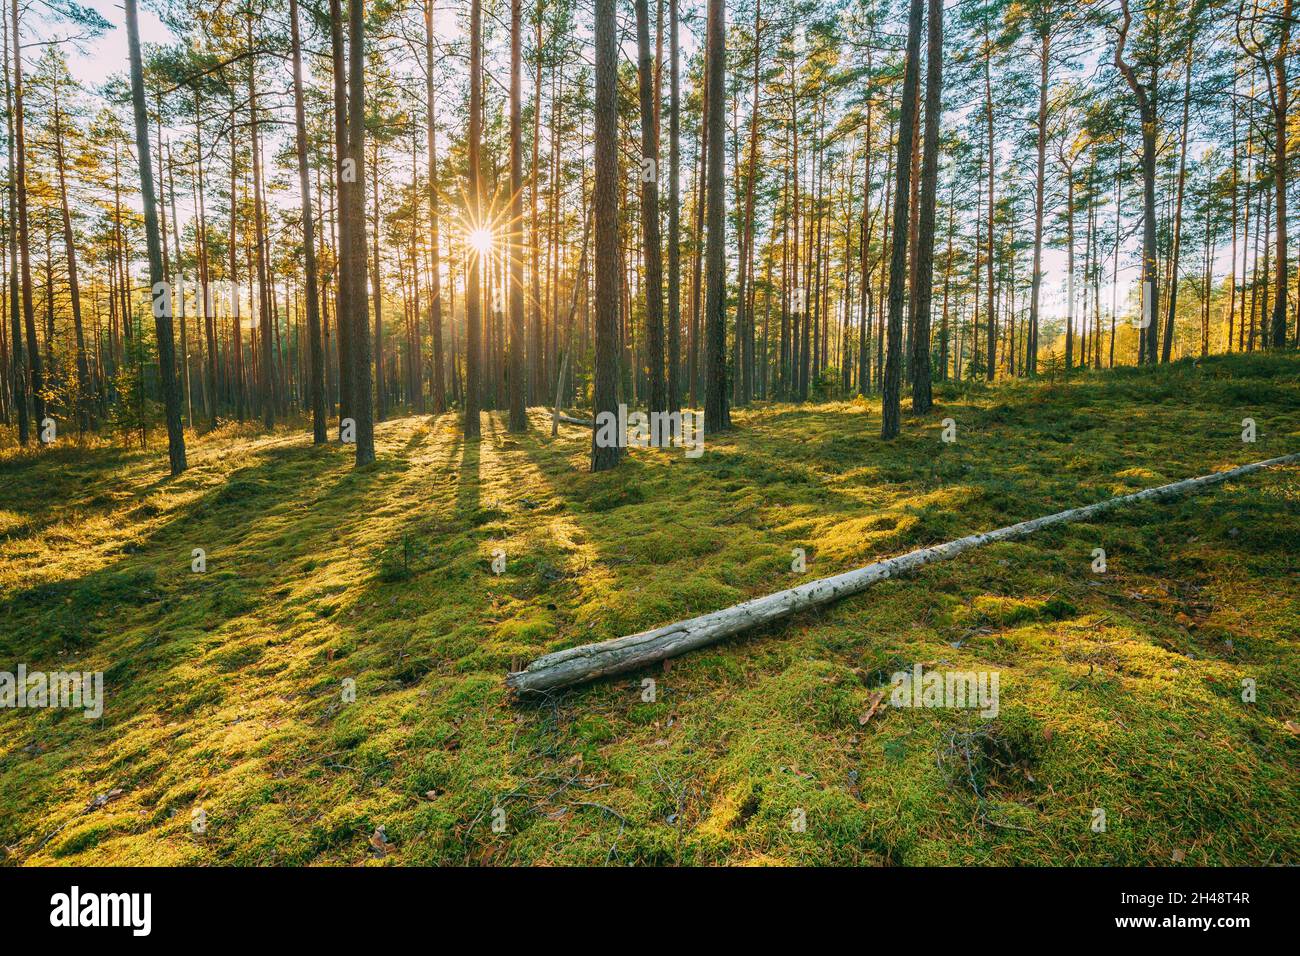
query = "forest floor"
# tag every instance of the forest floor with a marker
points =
(223, 690)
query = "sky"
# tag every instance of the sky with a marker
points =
(107, 55)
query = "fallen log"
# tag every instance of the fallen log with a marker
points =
(589, 661)
(557, 416)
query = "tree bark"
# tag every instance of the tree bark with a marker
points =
(19, 367)
(1167, 345)
(1040, 179)
(345, 182)
(605, 202)
(990, 318)
(518, 419)
(1277, 336)
(893, 380)
(160, 292)
(1147, 114)
(35, 374)
(362, 403)
(657, 400)
(473, 316)
(717, 416)
(265, 303)
(921, 393)
(438, 384)
(316, 386)
(74, 289)
(674, 225)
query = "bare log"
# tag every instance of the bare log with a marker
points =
(558, 416)
(589, 661)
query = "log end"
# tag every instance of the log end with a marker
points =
(516, 685)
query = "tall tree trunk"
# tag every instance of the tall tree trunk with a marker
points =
(473, 281)
(921, 395)
(893, 380)
(717, 416)
(74, 289)
(161, 293)
(362, 404)
(654, 281)
(35, 376)
(947, 282)
(1040, 178)
(536, 350)
(605, 454)
(180, 291)
(518, 421)
(377, 283)
(438, 384)
(697, 270)
(316, 387)
(1145, 96)
(19, 368)
(345, 181)
(674, 225)
(744, 314)
(991, 320)
(206, 304)
(1167, 345)
(236, 336)
(866, 316)
(1069, 269)
(266, 307)
(1277, 336)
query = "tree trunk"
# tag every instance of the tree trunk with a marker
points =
(536, 350)
(19, 381)
(161, 293)
(744, 314)
(83, 370)
(1277, 336)
(316, 387)
(438, 384)
(35, 376)
(649, 175)
(605, 455)
(717, 416)
(266, 306)
(377, 283)
(921, 396)
(674, 225)
(1167, 345)
(518, 420)
(1040, 179)
(890, 412)
(990, 319)
(362, 403)
(1069, 269)
(473, 316)
(1147, 113)
(345, 182)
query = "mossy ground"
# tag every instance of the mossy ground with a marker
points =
(1119, 691)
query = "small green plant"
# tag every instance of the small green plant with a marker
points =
(398, 562)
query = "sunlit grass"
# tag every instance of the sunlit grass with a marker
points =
(224, 689)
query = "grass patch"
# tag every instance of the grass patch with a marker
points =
(339, 664)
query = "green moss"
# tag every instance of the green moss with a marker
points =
(1120, 691)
